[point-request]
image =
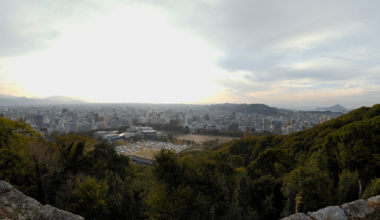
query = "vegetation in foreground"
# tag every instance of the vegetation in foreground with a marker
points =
(250, 178)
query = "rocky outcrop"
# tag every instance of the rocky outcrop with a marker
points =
(15, 205)
(359, 209)
(299, 216)
(331, 212)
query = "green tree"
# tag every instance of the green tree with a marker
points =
(273, 162)
(314, 184)
(373, 189)
(90, 198)
(14, 161)
(348, 186)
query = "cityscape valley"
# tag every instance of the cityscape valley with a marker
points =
(189, 110)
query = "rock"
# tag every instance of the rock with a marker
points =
(47, 210)
(19, 206)
(357, 209)
(16, 199)
(375, 199)
(5, 187)
(51, 213)
(301, 216)
(331, 212)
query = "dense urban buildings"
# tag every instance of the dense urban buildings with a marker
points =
(135, 117)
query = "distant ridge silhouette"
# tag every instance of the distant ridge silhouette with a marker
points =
(336, 107)
(53, 100)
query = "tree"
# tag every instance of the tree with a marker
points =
(199, 187)
(373, 189)
(45, 157)
(90, 198)
(272, 161)
(348, 186)
(314, 184)
(14, 162)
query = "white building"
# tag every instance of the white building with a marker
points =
(289, 129)
(71, 127)
(265, 124)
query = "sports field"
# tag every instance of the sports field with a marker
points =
(148, 148)
(201, 138)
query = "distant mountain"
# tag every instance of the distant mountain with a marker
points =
(244, 108)
(336, 107)
(8, 96)
(53, 100)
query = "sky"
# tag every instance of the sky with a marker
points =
(280, 53)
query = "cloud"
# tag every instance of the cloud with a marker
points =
(290, 49)
(32, 26)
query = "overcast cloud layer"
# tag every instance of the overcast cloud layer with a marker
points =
(282, 53)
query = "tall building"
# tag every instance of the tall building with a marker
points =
(277, 128)
(265, 124)
(289, 129)
(233, 127)
(85, 126)
(38, 120)
(295, 127)
(71, 127)
(114, 123)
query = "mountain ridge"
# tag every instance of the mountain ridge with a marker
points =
(52, 100)
(336, 107)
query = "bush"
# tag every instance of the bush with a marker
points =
(373, 189)
(89, 199)
(348, 186)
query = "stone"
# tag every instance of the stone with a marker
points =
(47, 210)
(50, 213)
(17, 199)
(58, 214)
(357, 209)
(330, 212)
(22, 207)
(5, 187)
(375, 199)
(301, 216)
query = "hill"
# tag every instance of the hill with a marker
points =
(250, 178)
(324, 163)
(54, 100)
(336, 107)
(244, 108)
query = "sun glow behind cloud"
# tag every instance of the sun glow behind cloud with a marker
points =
(315, 53)
(129, 55)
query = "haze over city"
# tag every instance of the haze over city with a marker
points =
(284, 54)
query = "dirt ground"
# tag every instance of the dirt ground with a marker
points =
(143, 150)
(201, 138)
(147, 152)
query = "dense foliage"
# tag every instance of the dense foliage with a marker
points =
(255, 177)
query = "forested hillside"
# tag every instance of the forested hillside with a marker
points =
(250, 178)
(244, 108)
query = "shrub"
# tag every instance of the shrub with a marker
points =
(348, 186)
(373, 188)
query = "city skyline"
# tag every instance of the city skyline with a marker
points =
(282, 54)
